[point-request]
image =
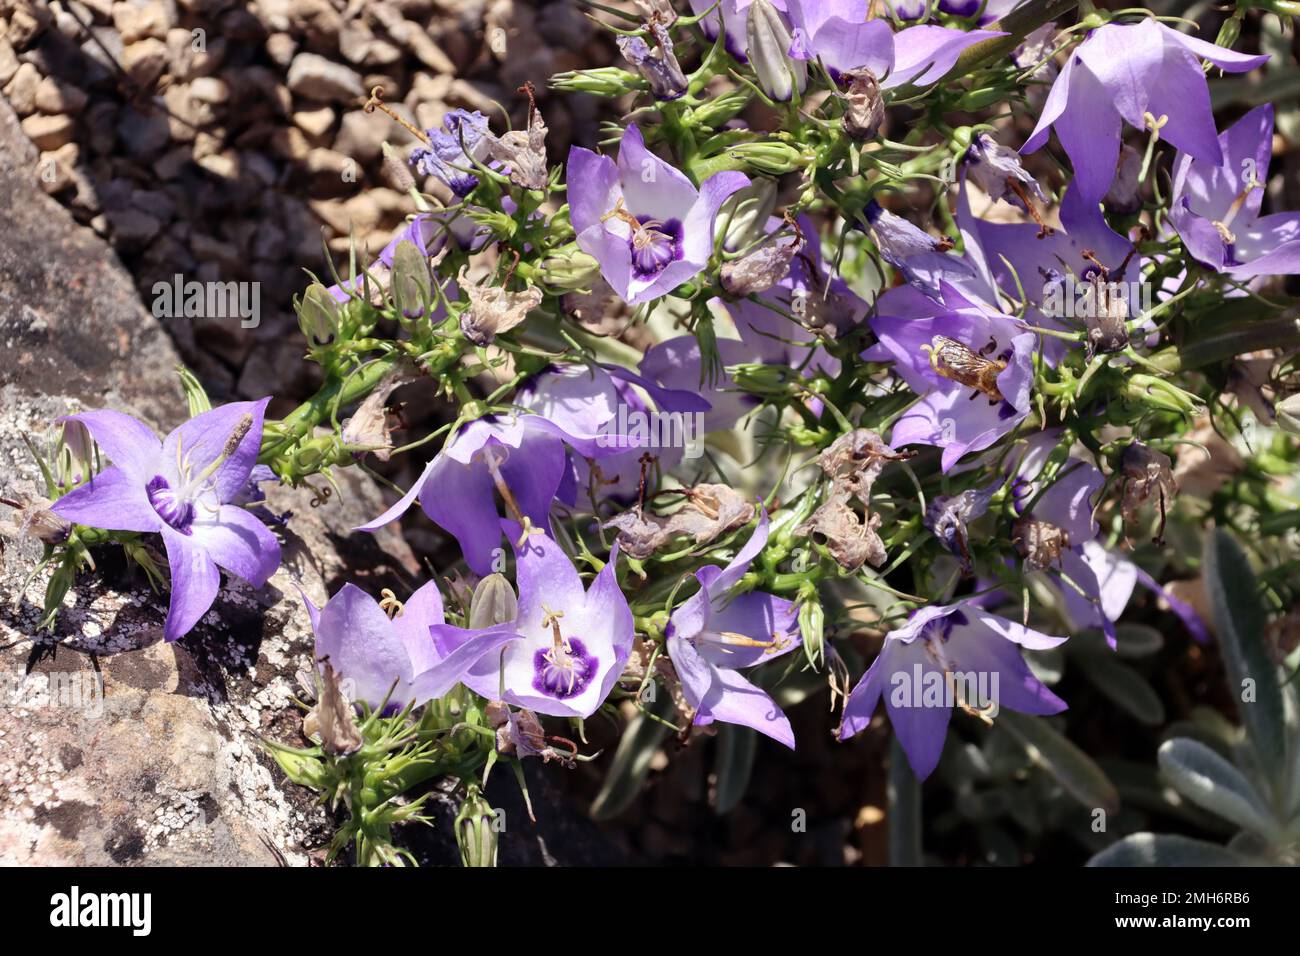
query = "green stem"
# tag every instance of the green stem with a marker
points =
(1227, 342)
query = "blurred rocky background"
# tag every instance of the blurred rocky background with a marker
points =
(226, 140)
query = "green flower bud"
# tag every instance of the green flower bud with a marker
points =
(746, 213)
(812, 621)
(409, 283)
(1143, 389)
(318, 315)
(718, 110)
(1288, 414)
(493, 603)
(476, 830)
(773, 158)
(602, 81)
(779, 75)
(768, 380)
(569, 268)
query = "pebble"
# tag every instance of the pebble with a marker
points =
(314, 77)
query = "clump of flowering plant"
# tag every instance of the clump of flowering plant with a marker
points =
(906, 431)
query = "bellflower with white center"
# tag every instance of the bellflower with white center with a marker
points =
(712, 637)
(448, 155)
(566, 647)
(1144, 74)
(182, 488)
(939, 649)
(643, 221)
(1215, 206)
(374, 654)
(972, 367)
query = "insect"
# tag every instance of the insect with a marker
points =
(956, 362)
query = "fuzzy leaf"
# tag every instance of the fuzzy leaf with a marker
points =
(1209, 781)
(1072, 768)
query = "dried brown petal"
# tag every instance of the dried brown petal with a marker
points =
(493, 310)
(524, 151)
(1040, 543)
(370, 427)
(864, 107)
(850, 537)
(32, 517)
(332, 718)
(854, 462)
(1147, 473)
(709, 512)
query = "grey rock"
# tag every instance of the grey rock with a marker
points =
(313, 77)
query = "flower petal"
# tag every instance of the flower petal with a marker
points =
(202, 440)
(113, 500)
(239, 543)
(195, 582)
(129, 443)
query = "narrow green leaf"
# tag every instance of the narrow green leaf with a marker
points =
(1239, 621)
(904, 817)
(1125, 686)
(1072, 768)
(631, 763)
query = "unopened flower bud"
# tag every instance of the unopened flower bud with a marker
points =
(659, 65)
(476, 830)
(746, 212)
(718, 110)
(1288, 414)
(569, 268)
(75, 459)
(864, 107)
(493, 603)
(779, 75)
(601, 81)
(774, 158)
(812, 623)
(768, 380)
(409, 283)
(318, 315)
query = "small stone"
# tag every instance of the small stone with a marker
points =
(48, 132)
(135, 21)
(8, 61)
(280, 47)
(21, 89)
(53, 96)
(362, 134)
(316, 78)
(193, 53)
(56, 168)
(315, 123)
(27, 21)
(145, 60)
(133, 226)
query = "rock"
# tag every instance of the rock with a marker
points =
(135, 21)
(143, 133)
(120, 749)
(192, 53)
(413, 37)
(53, 96)
(8, 61)
(21, 89)
(314, 123)
(27, 21)
(361, 135)
(48, 132)
(280, 47)
(56, 168)
(145, 61)
(210, 89)
(313, 77)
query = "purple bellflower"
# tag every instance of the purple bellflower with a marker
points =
(520, 458)
(182, 488)
(644, 222)
(938, 651)
(920, 258)
(844, 37)
(448, 155)
(566, 647)
(972, 367)
(394, 659)
(1144, 74)
(1215, 206)
(712, 636)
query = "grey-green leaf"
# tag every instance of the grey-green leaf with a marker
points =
(1152, 849)
(1125, 686)
(1072, 768)
(631, 763)
(1239, 621)
(1209, 781)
